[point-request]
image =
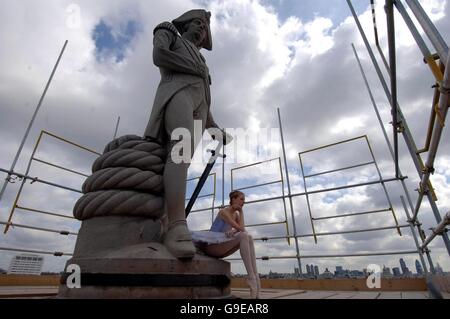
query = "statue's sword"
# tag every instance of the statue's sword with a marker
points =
(212, 160)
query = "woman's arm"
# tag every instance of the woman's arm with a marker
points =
(228, 219)
(241, 220)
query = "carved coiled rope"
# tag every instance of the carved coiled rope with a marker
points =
(126, 181)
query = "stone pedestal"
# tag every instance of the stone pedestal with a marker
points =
(122, 257)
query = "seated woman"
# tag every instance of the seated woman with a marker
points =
(227, 234)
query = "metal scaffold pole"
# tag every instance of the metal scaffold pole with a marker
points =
(377, 43)
(117, 128)
(429, 28)
(289, 194)
(412, 148)
(223, 176)
(311, 218)
(13, 165)
(416, 241)
(429, 58)
(393, 76)
(405, 130)
(405, 189)
(384, 185)
(437, 231)
(441, 112)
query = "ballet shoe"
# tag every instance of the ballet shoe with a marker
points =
(252, 283)
(178, 241)
(258, 285)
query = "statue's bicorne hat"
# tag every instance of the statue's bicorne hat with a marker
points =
(196, 14)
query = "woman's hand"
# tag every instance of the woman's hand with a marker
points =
(237, 208)
(240, 212)
(231, 232)
(228, 216)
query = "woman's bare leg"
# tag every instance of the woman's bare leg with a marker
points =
(231, 251)
(222, 250)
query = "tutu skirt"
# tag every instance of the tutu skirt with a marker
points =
(210, 237)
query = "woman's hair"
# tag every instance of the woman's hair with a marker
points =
(235, 194)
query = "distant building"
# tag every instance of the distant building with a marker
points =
(356, 274)
(316, 270)
(311, 271)
(326, 274)
(339, 273)
(419, 268)
(297, 272)
(402, 265)
(438, 269)
(405, 270)
(386, 272)
(275, 275)
(26, 264)
(396, 272)
(308, 269)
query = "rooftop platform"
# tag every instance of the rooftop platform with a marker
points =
(22, 286)
(25, 292)
(319, 294)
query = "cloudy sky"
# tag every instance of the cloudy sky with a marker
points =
(268, 54)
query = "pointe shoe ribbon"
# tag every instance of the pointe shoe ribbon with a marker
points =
(258, 285)
(178, 241)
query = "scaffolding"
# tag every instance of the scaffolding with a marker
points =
(32, 159)
(27, 131)
(13, 176)
(279, 181)
(25, 177)
(439, 108)
(373, 162)
(307, 193)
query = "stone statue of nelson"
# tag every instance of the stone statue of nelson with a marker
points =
(183, 96)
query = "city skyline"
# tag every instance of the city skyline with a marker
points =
(401, 270)
(405, 270)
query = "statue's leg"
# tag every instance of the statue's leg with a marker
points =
(179, 114)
